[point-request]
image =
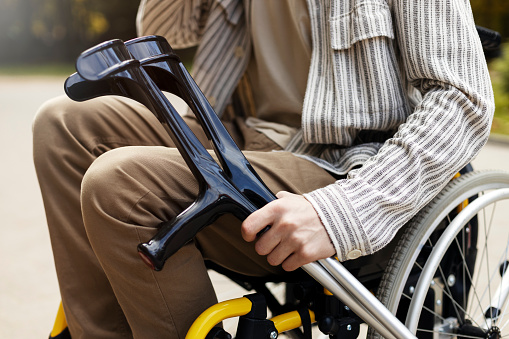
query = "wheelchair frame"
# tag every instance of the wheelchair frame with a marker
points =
(468, 185)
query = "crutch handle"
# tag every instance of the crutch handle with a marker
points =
(110, 65)
(174, 234)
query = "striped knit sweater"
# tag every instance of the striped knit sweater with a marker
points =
(398, 97)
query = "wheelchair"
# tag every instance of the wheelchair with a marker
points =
(443, 276)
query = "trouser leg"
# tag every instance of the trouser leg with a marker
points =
(126, 194)
(68, 137)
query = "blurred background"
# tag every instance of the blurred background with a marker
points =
(45, 36)
(39, 41)
(54, 32)
(494, 14)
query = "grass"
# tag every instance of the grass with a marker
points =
(501, 118)
(499, 70)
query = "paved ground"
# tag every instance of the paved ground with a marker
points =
(28, 286)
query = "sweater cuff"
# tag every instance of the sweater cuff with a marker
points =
(341, 222)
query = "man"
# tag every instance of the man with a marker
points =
(391, 97)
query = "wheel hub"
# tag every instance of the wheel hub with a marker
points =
(494, 333)
(469, 330)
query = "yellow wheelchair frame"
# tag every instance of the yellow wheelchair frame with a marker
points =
(209, 318)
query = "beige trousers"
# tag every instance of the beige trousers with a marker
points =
(108, 177)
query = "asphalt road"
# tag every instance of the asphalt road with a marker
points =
(28, 287)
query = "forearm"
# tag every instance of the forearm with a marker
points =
(366, 210)
(444, 132)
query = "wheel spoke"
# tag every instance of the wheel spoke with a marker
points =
(463, 270)
(503, 261)
(504, 326)
(489, 282)
(470, 278)
(503, 313)
(454, 302)
(493, 277)
(444, 333)
(427, 309)
(449, 294)
(495, 271)
(484, 250)
(479, 283)
(479, 275)
(486, 232)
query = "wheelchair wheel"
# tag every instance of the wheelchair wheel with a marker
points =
(465, 237)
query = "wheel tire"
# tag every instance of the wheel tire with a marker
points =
(429, 220)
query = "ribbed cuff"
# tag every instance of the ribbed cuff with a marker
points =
(341, 222)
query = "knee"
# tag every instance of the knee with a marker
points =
(51, 115)
(61, 120)
(47, 130)
(56, 124)
(65, 131)
(136, 185)
(108, 180)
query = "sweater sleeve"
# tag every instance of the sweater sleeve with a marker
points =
(442, 58)
(181, 22)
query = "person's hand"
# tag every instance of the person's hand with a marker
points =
(296, 236)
